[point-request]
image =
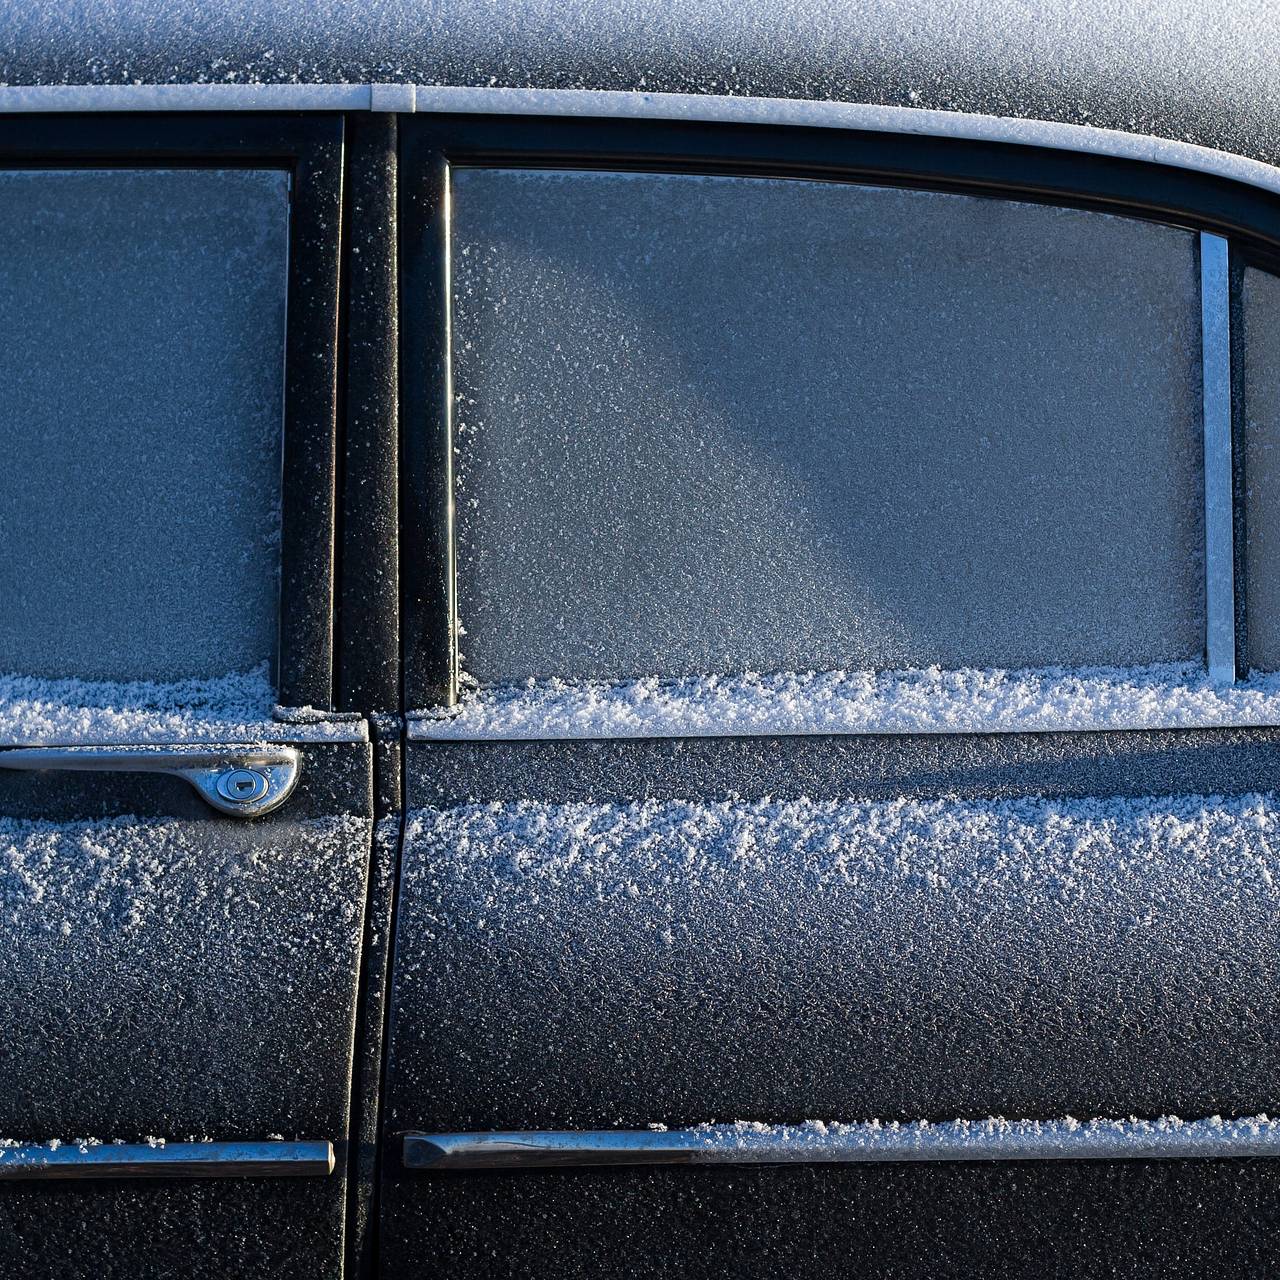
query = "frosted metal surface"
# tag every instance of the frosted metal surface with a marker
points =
(814, 957)
(715, 424)
(1196, 69)
(1219, 518)
(174, 976)
(140, 421)
(1261, 313)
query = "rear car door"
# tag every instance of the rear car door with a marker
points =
(944, 944)
(185, 821)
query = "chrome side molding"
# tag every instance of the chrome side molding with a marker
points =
(873, 1142)
(32, 1162)
(242, 780)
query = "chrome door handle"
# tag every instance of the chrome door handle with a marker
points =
(244, 781)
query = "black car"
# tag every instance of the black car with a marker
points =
(639, 640)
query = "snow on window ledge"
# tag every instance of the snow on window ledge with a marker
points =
(928, 700)
(238, 708)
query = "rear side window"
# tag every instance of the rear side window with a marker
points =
(716, 424)
(143, 314)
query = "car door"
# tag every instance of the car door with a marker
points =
(185, 820)
(839, 773)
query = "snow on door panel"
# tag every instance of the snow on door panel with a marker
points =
(176, 976)
(624, 934)
(143, 315)
(713, 424)
(613, 934)
(172, 976)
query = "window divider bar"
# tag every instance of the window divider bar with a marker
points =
(1219, 557)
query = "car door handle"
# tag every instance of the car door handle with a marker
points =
(245, 781)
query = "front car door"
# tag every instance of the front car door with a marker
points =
(186, 822)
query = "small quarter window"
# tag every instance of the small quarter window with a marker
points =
(1260, 307)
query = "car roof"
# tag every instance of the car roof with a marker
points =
(1202, 71)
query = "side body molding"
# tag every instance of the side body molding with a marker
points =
(31, 1162)
(867, 1143)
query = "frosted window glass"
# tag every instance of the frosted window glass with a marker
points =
(1260, 305)
(715, 424)
(140, 420)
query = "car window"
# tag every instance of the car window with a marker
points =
(717, 424)
(143, 316)
(1260, 308)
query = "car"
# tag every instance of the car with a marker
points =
(639, 640)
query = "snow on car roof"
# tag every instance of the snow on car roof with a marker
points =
(1192, 70)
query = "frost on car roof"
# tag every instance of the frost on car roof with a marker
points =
(1194, 69)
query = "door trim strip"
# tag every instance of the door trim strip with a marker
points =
(873, 1142)
(36, 1162)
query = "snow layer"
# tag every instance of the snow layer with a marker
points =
(235, 708)
(956, 848)
(1028, 957)
(1186, 68)
(176, 977)
(929, 700)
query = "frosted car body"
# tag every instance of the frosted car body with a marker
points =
(638, 640)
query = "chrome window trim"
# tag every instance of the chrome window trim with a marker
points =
(629, 105)
(1219, 533)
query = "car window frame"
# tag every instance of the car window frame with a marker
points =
(310, 149)
(431, 145)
